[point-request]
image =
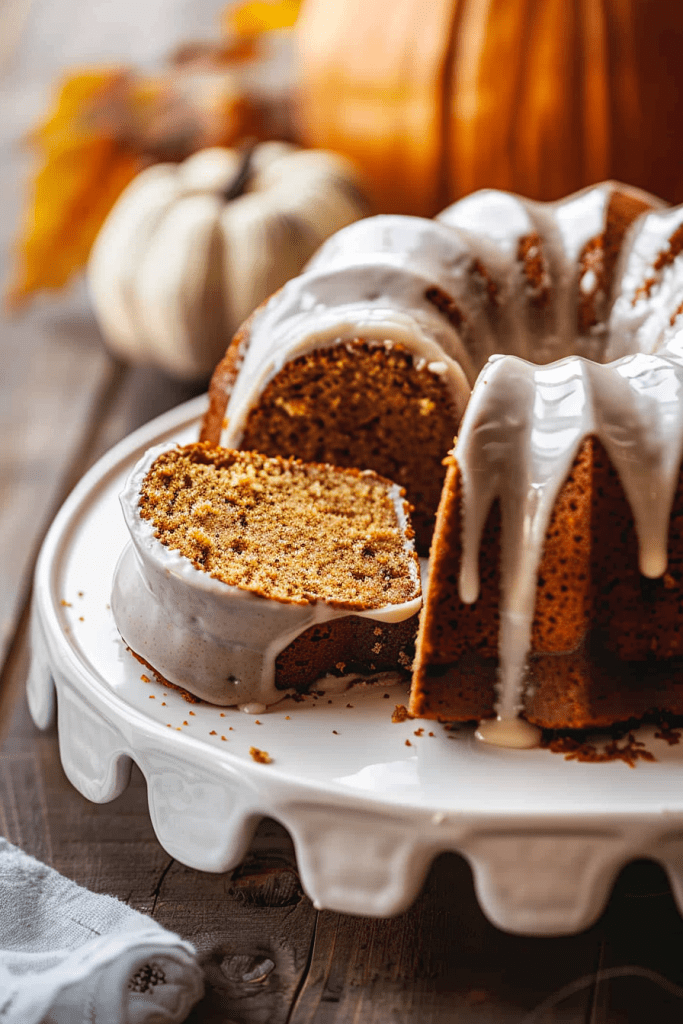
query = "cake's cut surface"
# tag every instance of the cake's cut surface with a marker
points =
(280, 528)
(400, 417)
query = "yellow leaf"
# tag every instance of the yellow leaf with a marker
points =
(81, 174)
(254, 17)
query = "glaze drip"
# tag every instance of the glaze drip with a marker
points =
(518, 440)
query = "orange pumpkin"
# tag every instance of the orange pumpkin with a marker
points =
(436, 98)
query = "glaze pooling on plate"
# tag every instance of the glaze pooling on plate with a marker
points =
(218, 641)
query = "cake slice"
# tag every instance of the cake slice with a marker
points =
(250, 576)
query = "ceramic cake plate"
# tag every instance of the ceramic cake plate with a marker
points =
(369, 803)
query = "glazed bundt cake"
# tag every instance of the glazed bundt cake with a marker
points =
(368, 358)
(550, 589)
(250, 576)
(563, 498)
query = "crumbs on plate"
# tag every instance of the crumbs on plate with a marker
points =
(260, 756)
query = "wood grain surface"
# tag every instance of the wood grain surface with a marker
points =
(268, 955)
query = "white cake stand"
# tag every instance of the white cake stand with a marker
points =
(368, 803)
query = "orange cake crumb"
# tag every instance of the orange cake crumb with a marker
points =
(260, 756)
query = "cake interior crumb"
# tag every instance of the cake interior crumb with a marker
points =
(278, 527)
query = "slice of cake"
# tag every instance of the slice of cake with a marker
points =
(250, 576)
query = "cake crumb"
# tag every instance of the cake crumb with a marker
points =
(222, 713)
(213, 733)
(186, 723)
(224, 738)
(668, 734)
(408, 743)
(430, 734)
(81, 619)
(400, 714)
(152, 696)
(578, 749)
(349, 705)
(163, 703)
(260, 756)
(386, 696)
(65, 604)
(145, 678)
(334, 732)
(256, 722)
(418, 732)
(191, 712)
(288, 718)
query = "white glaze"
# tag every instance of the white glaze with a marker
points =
(514, 733)
(640, 322)
(219, 642)
(368, 281)
(493, 223)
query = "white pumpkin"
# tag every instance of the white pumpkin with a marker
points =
(189, 250)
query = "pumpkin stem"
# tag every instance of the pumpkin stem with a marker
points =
(236, 187)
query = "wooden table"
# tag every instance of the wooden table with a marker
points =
(269, 956)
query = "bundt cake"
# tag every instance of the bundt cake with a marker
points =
(250, 576)
(550, 589)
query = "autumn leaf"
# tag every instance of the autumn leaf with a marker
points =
(107, 123)
(254, 17)
(81, 173)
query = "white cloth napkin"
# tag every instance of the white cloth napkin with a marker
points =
(70, 956)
